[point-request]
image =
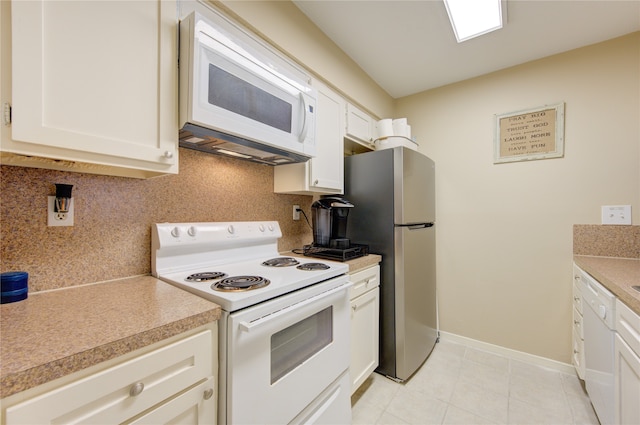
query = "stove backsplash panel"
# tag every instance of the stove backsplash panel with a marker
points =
(111, 236)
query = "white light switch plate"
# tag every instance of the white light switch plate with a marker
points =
(616, 214)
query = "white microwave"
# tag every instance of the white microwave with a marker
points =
(238, 97)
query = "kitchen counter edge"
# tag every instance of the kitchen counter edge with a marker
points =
(618, 275)
(363, 262)
(53, 334)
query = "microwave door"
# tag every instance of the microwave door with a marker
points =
(254, 103)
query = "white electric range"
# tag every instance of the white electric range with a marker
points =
(284, 331)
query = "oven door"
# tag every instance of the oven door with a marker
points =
(283, 354)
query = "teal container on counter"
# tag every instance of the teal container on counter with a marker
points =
(13, 286)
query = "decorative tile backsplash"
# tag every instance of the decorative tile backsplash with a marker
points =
(111, 237)
(606, 240)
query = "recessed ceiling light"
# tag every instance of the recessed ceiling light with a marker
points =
(471, 18)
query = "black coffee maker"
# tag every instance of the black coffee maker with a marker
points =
(329, 217)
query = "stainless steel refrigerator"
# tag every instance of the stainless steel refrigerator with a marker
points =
(393, 193)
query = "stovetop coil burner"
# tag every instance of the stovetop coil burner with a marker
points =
(281, 262)
(313, 266)
(240, 283)
(205, 276)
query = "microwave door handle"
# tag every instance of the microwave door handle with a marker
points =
(305, 123)
(248, 326)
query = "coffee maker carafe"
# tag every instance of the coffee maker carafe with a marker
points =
(329, 219)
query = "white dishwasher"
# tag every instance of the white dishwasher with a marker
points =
(599, 338)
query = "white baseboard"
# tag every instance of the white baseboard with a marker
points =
(509, 353)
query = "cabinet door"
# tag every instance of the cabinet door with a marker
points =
(359, 124)
(364, 337)
(327, 168)
(323, 173)
(96, 82)
(627, 390)
(627, 365)
(196, 406)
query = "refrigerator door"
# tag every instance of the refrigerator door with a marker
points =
(415, 297)
(414, 191)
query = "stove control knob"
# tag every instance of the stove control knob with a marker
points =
(191, 231)
(230, 229)
(271, 228)
(175, 232)
(261, 228)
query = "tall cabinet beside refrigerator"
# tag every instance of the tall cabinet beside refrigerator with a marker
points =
(393, 191)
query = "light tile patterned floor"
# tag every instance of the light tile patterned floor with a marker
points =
(464, 385)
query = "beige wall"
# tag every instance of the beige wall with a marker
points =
(505, 231)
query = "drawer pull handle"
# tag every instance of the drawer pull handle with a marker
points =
(136, 389)
(208, 393)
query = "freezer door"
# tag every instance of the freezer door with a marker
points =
(415, 296)
(414, 191)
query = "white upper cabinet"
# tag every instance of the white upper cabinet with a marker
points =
(94, 83)
(323, 173)
(360, 125)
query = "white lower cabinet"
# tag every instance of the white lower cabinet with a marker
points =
(174, 383)
(365, 313)
(627, 365)
(578, 333)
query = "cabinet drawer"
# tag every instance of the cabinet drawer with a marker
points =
(196, 406)
(577, 324)
(628, 326)
(125, 390)
(578, 355)
(577, 296)
(364, 281)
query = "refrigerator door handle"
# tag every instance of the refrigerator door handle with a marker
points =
(416, 226)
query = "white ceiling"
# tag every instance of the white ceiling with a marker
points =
(408, 46)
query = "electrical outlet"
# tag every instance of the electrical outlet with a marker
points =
(616, 214)
(59, 219)
(296, 213)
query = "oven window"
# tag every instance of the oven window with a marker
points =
(236, 95)
(292, 346)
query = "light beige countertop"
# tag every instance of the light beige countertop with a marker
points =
(618, 275)
(355, 265)
(55, 333)
(364, 262)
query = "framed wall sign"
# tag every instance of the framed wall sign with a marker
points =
(530, 134)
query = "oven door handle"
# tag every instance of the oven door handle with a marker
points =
(248, 326)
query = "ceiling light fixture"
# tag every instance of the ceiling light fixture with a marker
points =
(471, 18)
